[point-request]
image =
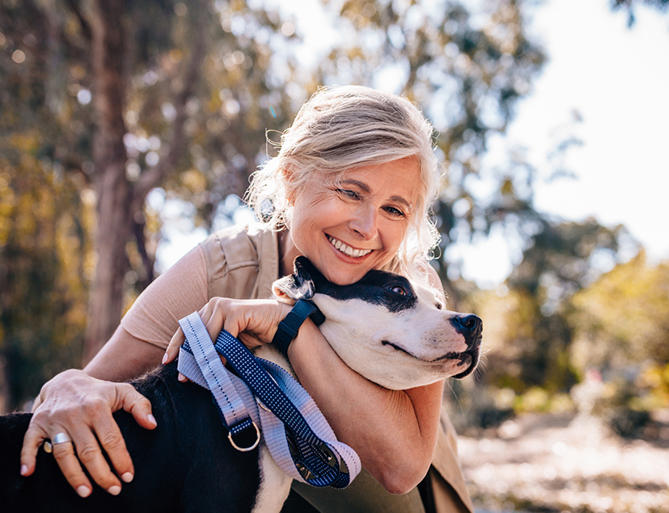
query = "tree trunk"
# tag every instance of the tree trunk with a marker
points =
(114, 223)
(120, 203)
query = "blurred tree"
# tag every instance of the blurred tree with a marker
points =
(76, 138)
(168, 93)
(629, 5)
(45, 263)
(563, 259)
(623, 318)
(529, 319)
(45, 216)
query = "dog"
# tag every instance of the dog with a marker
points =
(394, 332)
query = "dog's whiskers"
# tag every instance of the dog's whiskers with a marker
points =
(455, 395)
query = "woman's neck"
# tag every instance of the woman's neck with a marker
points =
(288, 252)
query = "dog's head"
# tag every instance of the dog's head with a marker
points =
(394, 332)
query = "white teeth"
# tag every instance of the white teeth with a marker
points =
(355, 253)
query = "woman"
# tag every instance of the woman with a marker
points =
(350, 190)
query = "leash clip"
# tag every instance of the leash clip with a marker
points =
(234, 432)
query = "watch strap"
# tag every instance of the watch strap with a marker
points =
(290, 325)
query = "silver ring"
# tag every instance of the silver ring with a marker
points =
(60, 438)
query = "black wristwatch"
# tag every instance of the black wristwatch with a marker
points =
(288, 328)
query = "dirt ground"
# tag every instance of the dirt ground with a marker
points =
(567, 463)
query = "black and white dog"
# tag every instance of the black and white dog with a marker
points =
(392, 331)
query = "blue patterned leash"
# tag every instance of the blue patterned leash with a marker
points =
(200, 363)
(296, 433)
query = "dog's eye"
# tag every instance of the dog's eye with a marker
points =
(399, 290)
(439, 306)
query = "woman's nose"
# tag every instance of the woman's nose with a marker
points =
(365, 222)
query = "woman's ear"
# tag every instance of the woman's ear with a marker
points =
(289, 179)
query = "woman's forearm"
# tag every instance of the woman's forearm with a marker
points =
(394, 432)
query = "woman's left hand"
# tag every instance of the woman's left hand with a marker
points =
(253, 321)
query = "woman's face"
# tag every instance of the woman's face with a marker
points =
(357, 225)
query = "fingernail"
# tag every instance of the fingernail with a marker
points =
(182, 378)
(114, 490)
(153, 421)
(83, 491)
(24, 469)
(127, 477)
(164, 358)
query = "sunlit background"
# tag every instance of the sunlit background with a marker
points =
(551, 119)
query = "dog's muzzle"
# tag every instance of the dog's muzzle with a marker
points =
(471, 328)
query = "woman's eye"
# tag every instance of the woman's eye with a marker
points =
(395, 212)
(349, 193)
(399, 290)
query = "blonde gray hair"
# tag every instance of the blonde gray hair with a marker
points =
(344, 128)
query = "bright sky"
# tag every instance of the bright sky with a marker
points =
(617, 79)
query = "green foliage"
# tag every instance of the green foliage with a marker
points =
(47, 170)
(531, 320)
(45, 253)
(623, 318)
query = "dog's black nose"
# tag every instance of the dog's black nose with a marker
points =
(470, 326)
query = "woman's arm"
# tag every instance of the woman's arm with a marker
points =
(123, 358)
(393, 432)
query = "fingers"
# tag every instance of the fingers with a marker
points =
(210, 320)
(68, 460)
(111, 440)
(89, 454)
(173, 347)
(213, 315)
(32, 441)
(88, 422)
(253, 321)
(137, 405)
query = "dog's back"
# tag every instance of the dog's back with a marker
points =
(179, 466)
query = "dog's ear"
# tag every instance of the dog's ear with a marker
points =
(300, 284)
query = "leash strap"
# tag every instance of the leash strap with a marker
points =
(201, 364)
(296, 433)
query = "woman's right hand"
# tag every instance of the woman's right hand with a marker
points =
(253, 321)
(81, 407)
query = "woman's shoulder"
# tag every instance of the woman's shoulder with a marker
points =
(249, 252)
(239, 244)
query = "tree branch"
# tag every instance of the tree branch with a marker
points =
(155, 176)
(147, 261)
(85, 26)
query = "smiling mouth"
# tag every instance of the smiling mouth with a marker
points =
(347, 250)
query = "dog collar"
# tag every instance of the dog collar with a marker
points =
(288, 328)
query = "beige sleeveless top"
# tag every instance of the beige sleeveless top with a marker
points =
(242, 263)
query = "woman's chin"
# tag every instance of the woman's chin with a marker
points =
(342, 277)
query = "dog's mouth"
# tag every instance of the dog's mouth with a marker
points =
(468, 358)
